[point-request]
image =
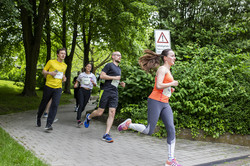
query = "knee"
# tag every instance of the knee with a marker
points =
(171, 131)
(112, 113)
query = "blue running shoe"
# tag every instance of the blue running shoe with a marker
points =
(86, 122)
(107, 138)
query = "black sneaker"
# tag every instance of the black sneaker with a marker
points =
(38, 122)
(47, 128)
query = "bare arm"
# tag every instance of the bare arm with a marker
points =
(45, 73)
(160, 77)
(123, 84)
(94, 84)
(76, 84)
(104, 76)
(64, 78)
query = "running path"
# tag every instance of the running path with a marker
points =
(68, 145)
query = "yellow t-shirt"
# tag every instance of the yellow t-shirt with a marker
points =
(60, 68)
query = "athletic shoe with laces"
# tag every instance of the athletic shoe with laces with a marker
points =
(48, 127)
(124, 125)
(45, 115)
(107, 138)
(79, 123)
(173, 162)
(87, 120)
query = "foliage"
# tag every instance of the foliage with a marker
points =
(12, 153)
(219, 22)
(138, 85)
(213, 92)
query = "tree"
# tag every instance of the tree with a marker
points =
(205, 22)
(10, 35)
(114, 25)
(33, 14)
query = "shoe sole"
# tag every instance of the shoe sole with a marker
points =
(124, 123)
(47, 130)
(79, 125)
(108, 141)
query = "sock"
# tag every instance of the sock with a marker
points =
(171, 148)
(137, 127)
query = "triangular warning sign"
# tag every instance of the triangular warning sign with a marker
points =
(162, 39)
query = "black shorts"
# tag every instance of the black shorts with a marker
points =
(109, 99)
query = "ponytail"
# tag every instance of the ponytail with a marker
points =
(150, 60)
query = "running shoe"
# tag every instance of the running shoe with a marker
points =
(124, 125)
(79, 123)
(45, 115)
(87, 120)
(48, 127)
(173, 162)
(107, 138)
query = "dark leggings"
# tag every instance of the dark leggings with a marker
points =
(158, 109)
(83, 98)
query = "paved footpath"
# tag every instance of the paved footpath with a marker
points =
(68, 145)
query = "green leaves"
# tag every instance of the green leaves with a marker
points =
(213, 94)
(139, 85)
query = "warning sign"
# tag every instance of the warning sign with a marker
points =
(162, 40)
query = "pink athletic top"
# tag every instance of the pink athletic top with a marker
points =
(157, 94)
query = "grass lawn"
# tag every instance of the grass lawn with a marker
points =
(12, 153)
(11, 101)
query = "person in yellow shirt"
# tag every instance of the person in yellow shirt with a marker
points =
(54, 71)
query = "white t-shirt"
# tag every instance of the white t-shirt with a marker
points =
(85, 80)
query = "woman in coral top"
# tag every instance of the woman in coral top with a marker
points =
(158, 100)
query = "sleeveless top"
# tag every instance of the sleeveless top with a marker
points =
(162, 95)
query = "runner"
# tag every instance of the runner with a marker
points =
(54, 71)
(111, 73)
(76, 89)
(87, 80)
(158, 101)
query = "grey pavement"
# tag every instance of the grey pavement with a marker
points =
(68, 145)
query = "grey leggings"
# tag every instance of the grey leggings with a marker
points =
(158, 109)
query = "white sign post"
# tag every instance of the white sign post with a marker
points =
(162, 40)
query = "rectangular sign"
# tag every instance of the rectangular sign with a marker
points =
(162, 40)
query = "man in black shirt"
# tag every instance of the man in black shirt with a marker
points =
(111, 73)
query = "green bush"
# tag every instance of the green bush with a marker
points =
(139, 85)
(213, 94)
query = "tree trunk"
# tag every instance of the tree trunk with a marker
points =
(48, 41)
(68, 61)
(64, 27)
(32, 26)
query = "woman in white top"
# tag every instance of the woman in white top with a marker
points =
(86, 80)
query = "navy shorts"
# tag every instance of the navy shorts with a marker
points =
(109, 99)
